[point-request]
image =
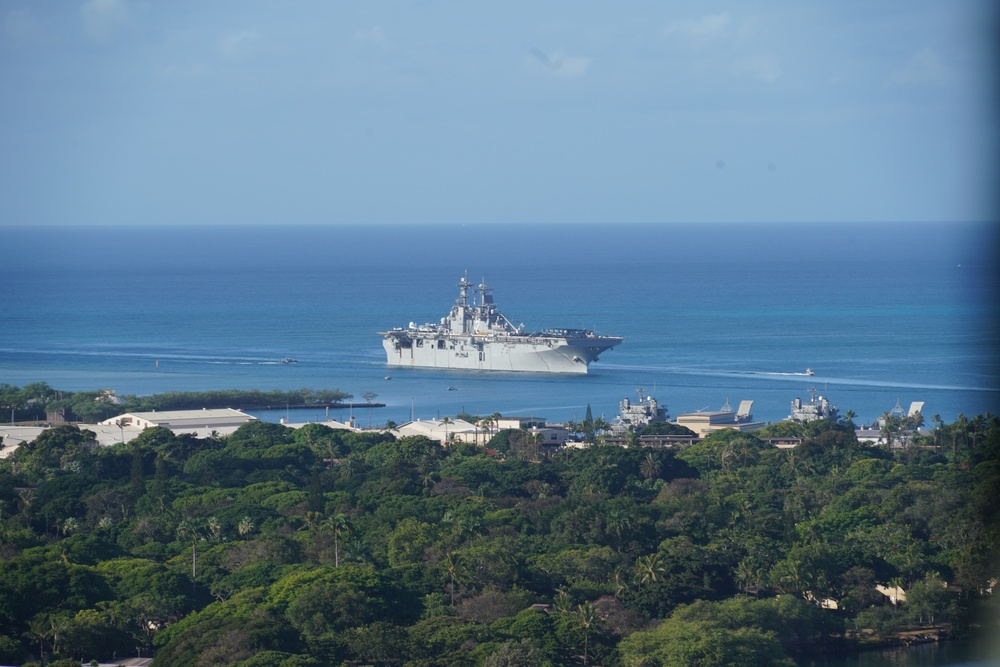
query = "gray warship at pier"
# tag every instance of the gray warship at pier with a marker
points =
(477, 336)
(634, 416)
(813, 410)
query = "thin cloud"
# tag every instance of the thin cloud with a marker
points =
(765, 68)
(375, 36)
(184, 72)
(567, 67)
(700, 31)
(923, 67)
(238, 45)
(723, 45)
(103, 18)
(19, 28)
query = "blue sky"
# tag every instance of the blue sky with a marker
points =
(226, 112)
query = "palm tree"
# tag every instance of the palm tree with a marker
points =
(369, 396)
(70, 525)
(586, 616)
(350, 467)
(535, 439)
(619, 522)
(889, 429)
(621, 586)
(194, 530)
(792, 575)
(563, 602)
(214, 529)
(451, 563)
(978, 429)
(339, 526)
(40, 629)
(963, 429)
(495, 421)
(27, 498)
(650, 467)
(744, 574)
(355, 550)
(245, 526)
(647, 568)
(446, 421)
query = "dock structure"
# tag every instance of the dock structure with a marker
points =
(704, 423)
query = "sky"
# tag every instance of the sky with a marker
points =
(186, 112)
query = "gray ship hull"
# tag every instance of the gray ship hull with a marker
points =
(477, 336)
(537, 355)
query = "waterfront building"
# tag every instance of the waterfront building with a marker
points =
(183, 421)
(705, 423)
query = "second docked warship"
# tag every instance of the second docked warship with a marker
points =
(477, 336)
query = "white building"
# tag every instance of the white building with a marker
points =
(453, 430)
(12, 437)
(706, 423)
(184, 421)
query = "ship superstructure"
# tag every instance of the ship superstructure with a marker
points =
(477, 336)
(813, 410)
(635, 416)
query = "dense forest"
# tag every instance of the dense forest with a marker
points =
(35, 401)
(314, 547)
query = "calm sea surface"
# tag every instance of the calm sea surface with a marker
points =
(709, 314)
(960, 653)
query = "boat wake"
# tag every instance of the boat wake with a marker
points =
(845, 382)
(808, 373)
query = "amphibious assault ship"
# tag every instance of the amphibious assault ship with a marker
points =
(477, 336)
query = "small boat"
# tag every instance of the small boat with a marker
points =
(809, 371)
(388, 377)
(452, 389)
(289, 360)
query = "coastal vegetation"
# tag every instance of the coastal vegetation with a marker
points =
(35, 401)
(311, 547)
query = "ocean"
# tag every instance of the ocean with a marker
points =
(710, 314)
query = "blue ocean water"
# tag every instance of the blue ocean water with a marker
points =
(709, 314)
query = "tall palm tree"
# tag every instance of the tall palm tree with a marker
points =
(978, 429)
(338, 525)
(889, 428)
(369, 396)
(446, 421)
(451, 564)
(961, 427)
(495, 420)
(586, 616)
(194, 530)
(40, 628)
(650, 467)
